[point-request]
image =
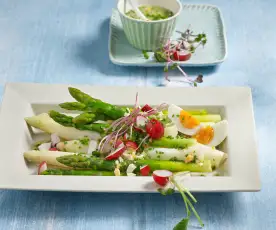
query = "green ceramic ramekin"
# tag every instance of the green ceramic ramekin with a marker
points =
(149, 35)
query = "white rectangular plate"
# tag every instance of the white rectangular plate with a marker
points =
(200, 18)
(234, 104)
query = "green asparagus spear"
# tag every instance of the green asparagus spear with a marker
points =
(61, 118)
(84, 118)
(176, 166)
(68, 121)
(97, 105)
(95, 163)
(65, 172)
(82, 97)
(84, 162)
(181, 143)
(208, 118)
(100, 128)
(73, 106)
(88, 118)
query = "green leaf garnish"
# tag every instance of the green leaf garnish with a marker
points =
(182, 225)
(166, 192)
(146, 55)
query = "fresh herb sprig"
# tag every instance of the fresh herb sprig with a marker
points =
(188, 198)
(187, 43)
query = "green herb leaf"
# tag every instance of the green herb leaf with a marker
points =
(166, 192)
(166, 69)
(146, 55)
(174, 66)
(182, 225)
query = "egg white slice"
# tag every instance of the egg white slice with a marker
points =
(220, 133)
(173, 114)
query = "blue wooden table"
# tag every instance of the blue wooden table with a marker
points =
(65, 41)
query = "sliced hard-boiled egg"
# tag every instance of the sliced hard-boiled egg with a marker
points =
(184, 121)
(212, 135)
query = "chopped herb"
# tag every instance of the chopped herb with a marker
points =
(165, 192)
(174, 159)
(65, 142)
(177, 115)
(173, 115)
(84, 140)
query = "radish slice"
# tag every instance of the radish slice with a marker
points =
(161, 177)
(44, 146)
(53, 149)
(146, 108)
(145, 170)
(118, 143)
(42, 167)
(93, 145)
(182, 55)
(131, 168)
(131, 145)
(117, 153)
(141, 121)
(126, 136)
(54, 139)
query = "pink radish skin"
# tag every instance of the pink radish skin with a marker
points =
(146, 108)
(161, 177)
(118, 143)
(117, 153)
(42, 167)
(53, 149)
(131, 145)
(141, 121)
(145, 170)
(125, 136)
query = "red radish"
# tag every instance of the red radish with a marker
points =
(42, 167)
(141, 121)
(183, 55)
(155, 129)
(53, 149)
(161, 177)
(116, 153)
(126, 136)
(145, 170)
(131, 145)
(118, 143)
(146, 108)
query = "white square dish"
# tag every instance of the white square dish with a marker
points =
(26, 99)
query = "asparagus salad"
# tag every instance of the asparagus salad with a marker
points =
(164, 141)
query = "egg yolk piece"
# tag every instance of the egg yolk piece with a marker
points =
(205, 135)
(187, 120)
